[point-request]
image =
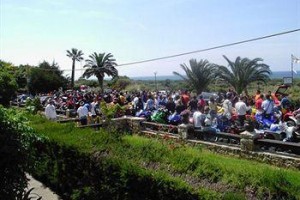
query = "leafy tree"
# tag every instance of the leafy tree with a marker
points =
(199, 75)
(120, 82)
(46, 78)
(83, 81)
(6, 65)
(75, 55)
(167, 83)
(23, 75)
(243, 72)
(8, 86)
(99, 65)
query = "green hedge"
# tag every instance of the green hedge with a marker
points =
(16, 138)
(85, 164)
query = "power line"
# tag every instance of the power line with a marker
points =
(211, 48)
(197, 51)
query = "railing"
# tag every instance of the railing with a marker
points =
(219, 137)
(275, 145)
(168, 128)
(226, 138)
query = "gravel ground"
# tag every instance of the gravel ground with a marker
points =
(40, 190)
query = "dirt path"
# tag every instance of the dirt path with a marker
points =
(40, 190)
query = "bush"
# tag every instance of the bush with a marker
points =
(15, 143)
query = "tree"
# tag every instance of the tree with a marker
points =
(119, 83)
(46, 78)
(75, 55)
(243, 72)
(99, 65)
(199, 75)
(8, 86)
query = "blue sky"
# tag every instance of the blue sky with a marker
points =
(35, 30)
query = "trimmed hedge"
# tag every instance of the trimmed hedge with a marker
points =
(76, 175)
(84, 164)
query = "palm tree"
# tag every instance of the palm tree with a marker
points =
(244, 71)
(75, 55)
(200, 75)
(99, 65)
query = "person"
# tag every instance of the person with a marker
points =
(170, 106)
(93, 107)
(135, 102)
(179, 106)
(241, 109)
(150, 104)
(185, 98)
(258, 103)
(198, 118)
(201, 103)
(285, 102)
(268, 106)
(212, 104)
(50, 111)
(227, 106)
(193, 104)
(82, 112)
(257, 95)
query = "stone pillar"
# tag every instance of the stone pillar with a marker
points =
(184, 131)
(135, 125)
(247, 141)
(119, 123)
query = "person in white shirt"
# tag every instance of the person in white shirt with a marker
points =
(82, 112)
(227, 106)
(198, 118)
(241, 109)
(268, 106)
(50, 111)
(93, 107)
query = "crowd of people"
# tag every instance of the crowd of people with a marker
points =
(87, 104)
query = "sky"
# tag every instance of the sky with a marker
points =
(32, 31)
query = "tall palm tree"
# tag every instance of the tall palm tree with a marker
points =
(200, 75)
(75, 55)
(99, 65)
(244, 71)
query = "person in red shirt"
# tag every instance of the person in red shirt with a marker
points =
(258, 102)
(201, 103)
(185, 98)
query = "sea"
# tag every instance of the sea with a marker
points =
(274, 75)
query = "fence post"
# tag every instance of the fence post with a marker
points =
(135, 124)
(184, 131)
(247, 141)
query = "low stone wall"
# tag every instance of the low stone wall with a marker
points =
(246, 150)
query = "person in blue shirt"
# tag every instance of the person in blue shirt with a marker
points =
(285, 102)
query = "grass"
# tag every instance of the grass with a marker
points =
(169, 159)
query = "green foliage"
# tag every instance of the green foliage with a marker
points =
(199, 75)
(8, 86)
(111, 110)
(119, 83)
(75, 55)
(46, 78)
(33, 105)
(83, 81)
(16, 139)
(99, 65)
(126, 163)
(243, 72)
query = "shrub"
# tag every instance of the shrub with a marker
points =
(15, 144)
